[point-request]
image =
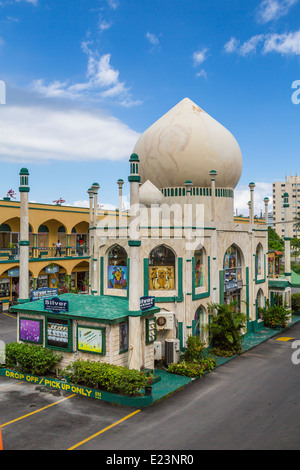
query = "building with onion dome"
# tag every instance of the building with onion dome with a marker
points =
(182, 244)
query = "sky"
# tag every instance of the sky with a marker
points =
(85, 78)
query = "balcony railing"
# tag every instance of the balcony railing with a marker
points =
(7, 254)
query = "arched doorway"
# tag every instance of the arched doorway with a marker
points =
(199, 323)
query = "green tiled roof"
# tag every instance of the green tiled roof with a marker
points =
(107, 309)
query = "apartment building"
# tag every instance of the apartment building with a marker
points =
(292, 187)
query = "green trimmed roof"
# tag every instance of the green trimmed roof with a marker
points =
(107, 309)
(279, 283)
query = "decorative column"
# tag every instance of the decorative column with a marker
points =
(91, 237)
(251, 186)
(287, 238)
(120, 184)
(213, 175)
(24, 237)
(135, 330)
(266, 201)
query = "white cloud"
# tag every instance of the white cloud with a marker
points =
(102, 81)
(285, 44)
(200, 56)
(113, 4)
(40, 134)
(104, 25)
(202, 73)
(153, 39)
(242, 196)
(231, 45)
(271, 10)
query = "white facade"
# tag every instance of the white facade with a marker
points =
(292, 187)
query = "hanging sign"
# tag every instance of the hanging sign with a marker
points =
(147, 302)
(56, 305)
(231, 286)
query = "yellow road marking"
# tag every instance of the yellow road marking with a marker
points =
(37, 411)
(8, 315)
(284, 338)
(104, 430)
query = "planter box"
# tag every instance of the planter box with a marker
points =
(56, 384)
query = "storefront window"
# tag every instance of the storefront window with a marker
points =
(232, 276)
(117, 268)
(162, 269)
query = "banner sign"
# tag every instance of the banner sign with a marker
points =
(56, 305)
(147, 302)
(231, 285)
(43, 292)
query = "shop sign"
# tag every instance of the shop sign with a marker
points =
(43, 292)
(230, 286)
(147, 302)
(57, 333)
(13, 272)
(53, 270)
(56, 305)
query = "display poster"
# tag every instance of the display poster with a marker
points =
(199, 275)
(117, 277)
(123, 336)
(161, 278)
(57, 333)
(30, 330)
(90, 340)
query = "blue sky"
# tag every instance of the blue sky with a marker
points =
(85, 77)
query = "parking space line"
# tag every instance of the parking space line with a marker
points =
(104, 430)
(37, 411)
(284, 338)
(8, 315)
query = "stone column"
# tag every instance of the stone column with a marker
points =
(266, 201)
(135, 330)
(24, 236)
(251, 186)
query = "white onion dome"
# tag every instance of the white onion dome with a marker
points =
(186, 144)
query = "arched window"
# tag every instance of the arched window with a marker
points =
(117, 268)
(259, 304)
(232, 275)
(199, 274)
(199, 325)
(162, 269)
(259, 260)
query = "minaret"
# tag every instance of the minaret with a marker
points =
(91, 236)
(251, 186)
(287, 238)
(135, 349)
(266, 201)
(24, 237)
(120, 185)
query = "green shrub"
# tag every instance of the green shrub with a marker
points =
(108, 377)
(226, 328)
(296, 302)
(276, 316)
(30, 358)
(194, 349)
(193, 369)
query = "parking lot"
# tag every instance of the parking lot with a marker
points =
(251, 402)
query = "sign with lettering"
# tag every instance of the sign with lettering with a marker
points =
(147, 302)
(43, 292)
(231, 285)
(56, 305)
